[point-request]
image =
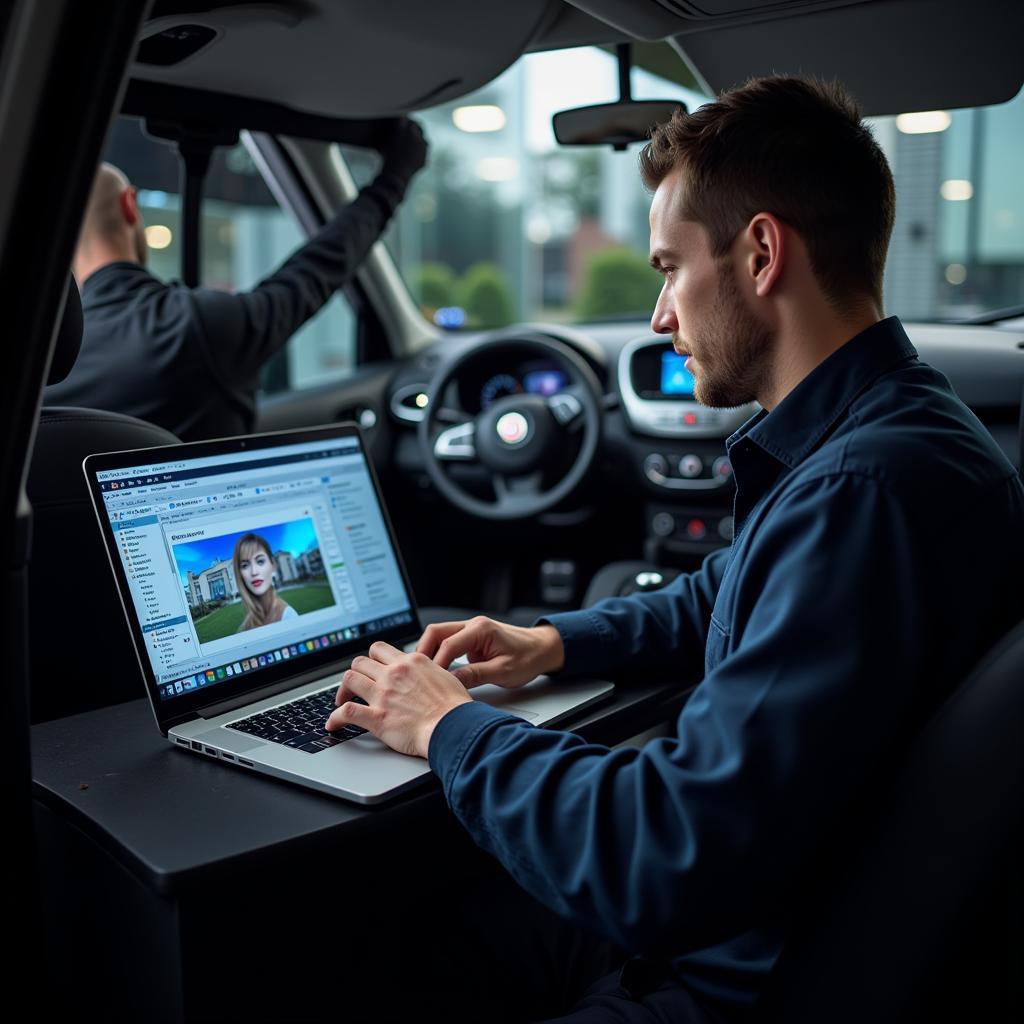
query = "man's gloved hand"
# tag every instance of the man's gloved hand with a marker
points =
(404, 150)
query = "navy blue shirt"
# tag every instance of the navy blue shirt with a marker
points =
(879, 552)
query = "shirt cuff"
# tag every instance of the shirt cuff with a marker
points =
(456, 733)
(588, 643)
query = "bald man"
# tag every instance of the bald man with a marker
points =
(189, 359)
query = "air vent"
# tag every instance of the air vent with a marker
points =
(409, 403)
(174, 45)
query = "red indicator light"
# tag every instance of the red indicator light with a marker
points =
(696, 529)
(690, 419)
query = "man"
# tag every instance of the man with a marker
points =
(838, 620)
(189, 359)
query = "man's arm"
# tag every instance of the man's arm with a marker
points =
(242, 331)
(662, 629)
(680, 844)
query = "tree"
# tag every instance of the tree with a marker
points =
(485, 295)
(617, 281)
(433, 285)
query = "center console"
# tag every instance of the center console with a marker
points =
(678, 448)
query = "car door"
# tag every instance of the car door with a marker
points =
(61, 66)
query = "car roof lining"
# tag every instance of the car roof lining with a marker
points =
(894, 55)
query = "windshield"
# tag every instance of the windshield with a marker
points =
(503, 225)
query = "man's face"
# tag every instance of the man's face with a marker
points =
(701, 306)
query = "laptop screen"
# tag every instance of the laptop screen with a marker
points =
(240, 562)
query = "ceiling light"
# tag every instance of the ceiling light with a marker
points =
(922, 122)
(956, 189)
(483, 118)
(158, 236)
(497, 168)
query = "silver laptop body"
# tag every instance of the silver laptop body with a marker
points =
(252, 570)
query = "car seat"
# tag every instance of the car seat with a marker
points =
(918, 916)
(81, 654)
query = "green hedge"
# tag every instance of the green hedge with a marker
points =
(617, 281)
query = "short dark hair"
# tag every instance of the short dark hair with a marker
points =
(796, 148)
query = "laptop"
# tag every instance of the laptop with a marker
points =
(252, 570)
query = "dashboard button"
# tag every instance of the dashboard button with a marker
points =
(696, 529)
(725, 528)
(565, 408)
(691, 466)
(663, 524)
(721, 467)
(655, 467)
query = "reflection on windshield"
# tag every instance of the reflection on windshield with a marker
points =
(504, 225)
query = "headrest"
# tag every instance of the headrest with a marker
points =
(69, 335)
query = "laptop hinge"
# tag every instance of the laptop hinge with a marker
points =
(252, 696)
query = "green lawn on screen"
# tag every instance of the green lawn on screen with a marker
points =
(226, 620)
(308, 598)
(223, 622)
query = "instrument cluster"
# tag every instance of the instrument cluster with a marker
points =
(534, 377)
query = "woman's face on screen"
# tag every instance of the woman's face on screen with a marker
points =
(257, 568)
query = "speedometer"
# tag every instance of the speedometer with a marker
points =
(498, 386)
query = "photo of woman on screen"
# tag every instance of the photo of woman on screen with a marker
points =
(254, 571)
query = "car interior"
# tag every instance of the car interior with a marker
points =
(515, 271)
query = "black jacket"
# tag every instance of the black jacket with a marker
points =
(188, 359)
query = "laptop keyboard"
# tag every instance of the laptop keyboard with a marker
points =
(300, 724)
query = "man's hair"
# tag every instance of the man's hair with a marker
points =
(798, 149)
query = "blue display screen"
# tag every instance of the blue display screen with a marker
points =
(544, 382)
(676, 379)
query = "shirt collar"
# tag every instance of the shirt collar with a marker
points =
(792, 430)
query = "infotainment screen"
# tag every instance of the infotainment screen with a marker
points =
(675, 378)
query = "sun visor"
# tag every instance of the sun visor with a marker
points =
(907, 55)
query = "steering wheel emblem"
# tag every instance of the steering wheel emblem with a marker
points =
(512, 427)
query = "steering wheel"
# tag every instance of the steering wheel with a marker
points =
(518, 437)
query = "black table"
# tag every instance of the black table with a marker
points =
(171, 882)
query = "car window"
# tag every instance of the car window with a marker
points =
(958, 243)
(245, 236)
(504, 225)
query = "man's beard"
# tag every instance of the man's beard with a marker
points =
(732, 349)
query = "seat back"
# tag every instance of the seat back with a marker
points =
(921, 918)
(81, 655)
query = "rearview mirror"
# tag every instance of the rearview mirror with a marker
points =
(612, 124)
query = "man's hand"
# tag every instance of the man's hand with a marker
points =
(498, 653)
(406, 696)
(405, 149)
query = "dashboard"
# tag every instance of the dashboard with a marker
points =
(660, 448)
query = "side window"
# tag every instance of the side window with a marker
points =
(245, 236)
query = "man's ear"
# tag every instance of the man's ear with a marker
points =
(765, 244)
(129, 203)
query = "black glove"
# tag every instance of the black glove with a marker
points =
(404, 150)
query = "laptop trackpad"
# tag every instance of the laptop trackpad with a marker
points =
(229, 739)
